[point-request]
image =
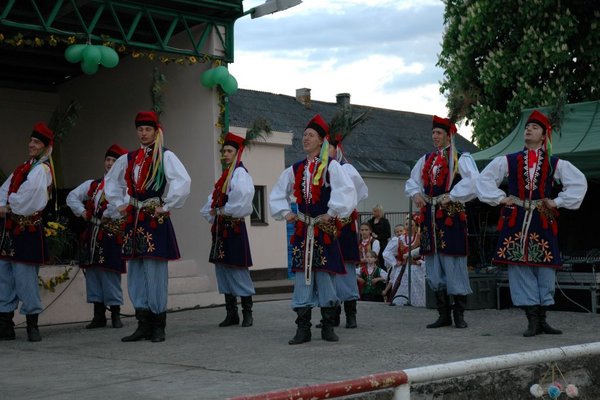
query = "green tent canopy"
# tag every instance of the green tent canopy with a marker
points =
(577, 139)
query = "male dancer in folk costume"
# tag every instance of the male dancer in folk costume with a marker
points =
(101, 241)
(23, 197)
(346, 284)
(439, 184)
(322, 191)
(136, 186)
(228, 204)
(528, 225)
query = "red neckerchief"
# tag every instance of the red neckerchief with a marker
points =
(532, 157)
(437, 159)
(301, 182)
(19, 177)
(143, 160)
(217, 194)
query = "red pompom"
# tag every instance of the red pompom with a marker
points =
(17, 231)
(449, 221)
(8, 224)
(100, 235)
(119, 239)
(130, 219)
(326, 239)
(153, 223)
(141, 216)
(225, 233)
(513, 218)
(237, 229)
(31, 228)
(439, 213)
(463, 216)
(544, 222)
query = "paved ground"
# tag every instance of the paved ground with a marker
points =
(202, 361)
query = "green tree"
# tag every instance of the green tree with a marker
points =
(502, 56)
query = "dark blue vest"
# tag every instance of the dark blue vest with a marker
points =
(146, 235)
(537, 245)
(230, 244)
(327, 254)
(450, 224)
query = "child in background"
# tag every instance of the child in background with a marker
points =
(371, 279)
(367, 243)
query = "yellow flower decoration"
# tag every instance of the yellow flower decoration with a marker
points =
(71, 39)
(136, 54)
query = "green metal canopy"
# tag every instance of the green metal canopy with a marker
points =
(27, 26)
(577, 139)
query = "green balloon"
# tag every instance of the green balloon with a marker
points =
(89, 68)
(92, 54)
(109, 57)
(230, 86)
(208, 78)
(221, 74)
(73, 53)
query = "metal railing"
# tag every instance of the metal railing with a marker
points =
(401, 380)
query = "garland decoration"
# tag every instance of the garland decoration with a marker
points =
(156, 91)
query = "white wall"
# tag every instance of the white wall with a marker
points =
(387, 190)
(19, 111)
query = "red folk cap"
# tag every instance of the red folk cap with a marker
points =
(318, 124)
(43, 133)
(115, 151)
(445, 124)
(540, 119)
(147, 118)
(233, 140)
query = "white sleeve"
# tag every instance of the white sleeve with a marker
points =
(362, 191)
(115, 187)
(384, 274)
(77, 197)
(32, 196)
(414, 184)
(178, 180)
(205, 211)
(280, 196)
(240, 195)
(465, 189)
(490, 178)
(390, 252)
(574, 185)
(343, 196)
(375, 246)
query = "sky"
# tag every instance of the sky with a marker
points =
(382, 52)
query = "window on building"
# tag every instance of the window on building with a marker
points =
(259, 208)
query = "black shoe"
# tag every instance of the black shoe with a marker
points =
(328, 322)
(533, 327)
(303, 333)
(115, 317)
(350, 310)
(144, 328)
(99, 320)
(247, 311)
(159, 322)
(232, 317)
(7, 326)
(443, 306)
(460, 303)
(33, 333)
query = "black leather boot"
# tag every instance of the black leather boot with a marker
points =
(159, 322)
(115, 316)
(303, 318)
(7, 326)
(33, 333)
(328, 322)
(99, 320)
(350, 310)
(232, 317)
(336, 317)
(443, 306)
(533, 327)
(460, 303)
(543, 325)
(144, 328)
(247, 311)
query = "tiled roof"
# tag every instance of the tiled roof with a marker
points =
(388, 142)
